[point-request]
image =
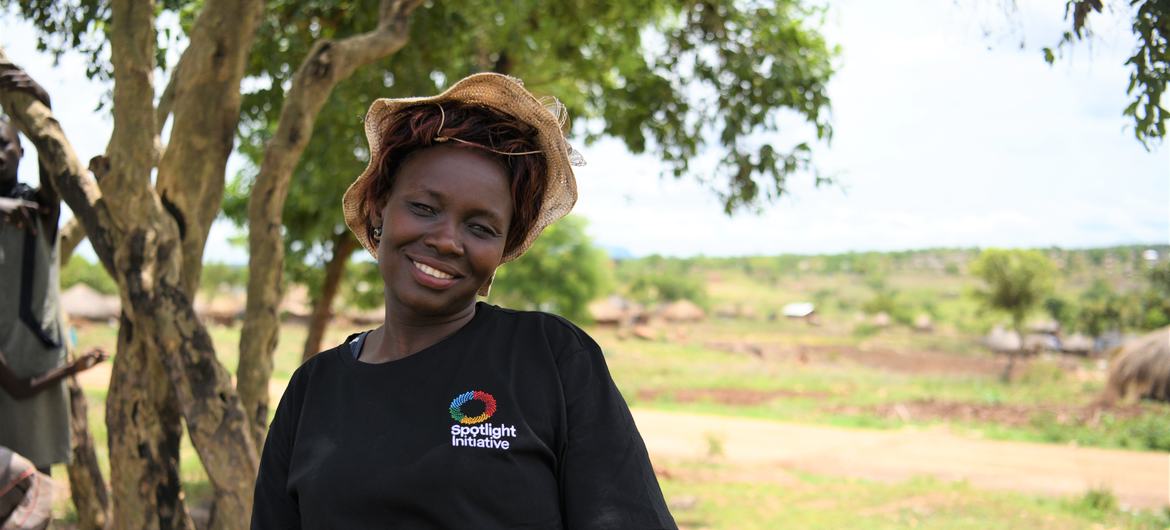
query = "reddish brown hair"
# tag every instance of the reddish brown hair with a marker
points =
(414, 128)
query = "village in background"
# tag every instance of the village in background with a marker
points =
(1097, 299)
(888, 342)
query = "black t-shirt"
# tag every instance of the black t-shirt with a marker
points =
(511, 422)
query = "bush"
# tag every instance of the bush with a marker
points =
(651, 287)
(887, 301)
(562, 272)
(865, 330)
(1098, 502)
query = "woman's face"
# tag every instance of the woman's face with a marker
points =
(443, 230)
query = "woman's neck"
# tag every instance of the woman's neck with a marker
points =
(402, 335)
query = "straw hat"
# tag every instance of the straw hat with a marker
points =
(504, 94)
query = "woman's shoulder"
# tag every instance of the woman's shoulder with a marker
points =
(325, 361)
(560, 332)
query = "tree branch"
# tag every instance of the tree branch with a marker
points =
(132, 54)
(206, 109)
(68, 175)
(72, 234)
(327, 64)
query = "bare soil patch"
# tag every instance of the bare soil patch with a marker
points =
(725, 396)
(1002, 414)
(1138, 478)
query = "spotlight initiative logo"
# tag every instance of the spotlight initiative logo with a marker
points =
(470, 430)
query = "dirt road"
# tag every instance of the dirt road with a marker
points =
(1139, 479)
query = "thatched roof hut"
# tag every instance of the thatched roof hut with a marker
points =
(83, 302)
(224, 307)
(1077, 343)
(614, 310)
(1002, 340)
(606, 311)
(682, 311)
(296, 302)
(1141, 368)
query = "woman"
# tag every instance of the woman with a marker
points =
(453, 413)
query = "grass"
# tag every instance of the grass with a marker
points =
(714, 495)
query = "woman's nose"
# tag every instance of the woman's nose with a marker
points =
(444, 239)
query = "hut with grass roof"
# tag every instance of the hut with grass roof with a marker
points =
(82, 302)
(1140, 368)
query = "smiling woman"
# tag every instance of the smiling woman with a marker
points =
(455, 413)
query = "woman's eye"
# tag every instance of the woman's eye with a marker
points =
(482, 230)
(421, 208)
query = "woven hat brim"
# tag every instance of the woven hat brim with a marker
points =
(498, 92)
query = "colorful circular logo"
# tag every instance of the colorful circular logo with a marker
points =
(456, 410)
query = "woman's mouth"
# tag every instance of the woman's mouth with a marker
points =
(431, 271)
(432, 278)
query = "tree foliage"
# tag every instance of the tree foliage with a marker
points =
(1149, 65)
(667, 78)
(656, 279)
(1156, 298)
(1015, 281)
(562, 272)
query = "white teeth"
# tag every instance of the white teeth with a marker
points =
(431, 271)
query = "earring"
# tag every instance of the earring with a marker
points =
(377, 232)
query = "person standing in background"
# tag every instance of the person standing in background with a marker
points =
(34, 403)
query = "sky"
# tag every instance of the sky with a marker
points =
(950, 130)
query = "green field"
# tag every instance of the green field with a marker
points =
(842, 381)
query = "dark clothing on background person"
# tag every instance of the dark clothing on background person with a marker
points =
(513, 421)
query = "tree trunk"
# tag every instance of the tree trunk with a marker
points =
(88, 490)
(136, 234)
(91, 497)
(145, 430)
(343, 247)
(328, 63)
(205, 105)
(144, 455)
(1006, 376)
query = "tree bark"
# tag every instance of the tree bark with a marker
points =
(1006, 376)
(144, 452)
(328, 63)
(343, 247)
(88, 490)
(91, 497)
(72, 234)
(205, 102)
